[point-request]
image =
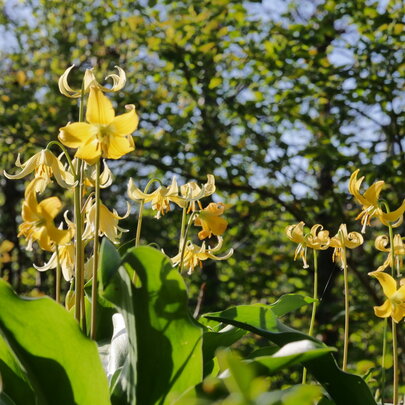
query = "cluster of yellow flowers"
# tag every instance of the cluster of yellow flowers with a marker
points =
(318, 239)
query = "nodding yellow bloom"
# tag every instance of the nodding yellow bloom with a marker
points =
(381, 243)
(192, 193)
(160, 198)
(108, 225)
(90, 80)
(38, 219)
(210, 221)
(44, 164)
(194, 255)
(344, 240)
(105, 135)
(66, 260)
(316, 239)
(369, 202)
(106, 177)
(394, 306)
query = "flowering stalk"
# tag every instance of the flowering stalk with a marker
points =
(347, 308)
(183, 248)
(95, 255)
(141, 205)
(314, 307)
(77, 208)
(183, 226)
(58, 276)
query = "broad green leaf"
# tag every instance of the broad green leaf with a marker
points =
(165, 352)
(297, 394)
(344, 388)
(61, 363)
(289, 303)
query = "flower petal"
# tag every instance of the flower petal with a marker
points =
(73, 135)
(99, 108)
(89, 151)
(384, 310)
(387, 282)
(125, 124)
(115, 147)
(50, 207)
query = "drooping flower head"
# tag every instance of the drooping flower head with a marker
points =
(194, 255)
(90, 80)
(192, 193)
(343, 239)
(382, 244)
(108, 225)
(160, 198)
(39, 218)
(44, 164)
(317, 239)
(104, 134)
(211, 221)
(370, 205)
(394, 305)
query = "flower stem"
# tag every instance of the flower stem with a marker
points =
(58, 276)
(183, 247)
(65, 152)
(347, 309)
(384, 351)
(183, 226)
(95, 255)
(141, 205)
(395, 361)
(314, 306)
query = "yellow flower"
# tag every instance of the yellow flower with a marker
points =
(192, 192)
(44, 164)
(5, 247)
(105, 135)
(194, 255)
(90, 80)
(210, 221)
(316, 239)
(160, 198)
(344, 240)
(38, 219)
(394, 306)
(106, 177)
(369, 202)
(66, 260)
(108, 225)
(381, 243)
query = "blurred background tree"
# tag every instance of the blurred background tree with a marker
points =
(280, 100)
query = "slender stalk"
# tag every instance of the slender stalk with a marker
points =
(183, 248)
(58, 276)
(95, 255)
(347, 307)
(395, 361)
(65, 152)
(79, 251)
(314, 306)
(183, 225)
(140, 214)
(384, 353)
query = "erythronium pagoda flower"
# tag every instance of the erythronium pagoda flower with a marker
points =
(44, 164)
(317, 239)
(344, 240)
(381, 243)
(38, 219)
(66, 260)
(369, 202)
(210, 221)
(192, 192)
(90, 80)
(108, 222)
(105, 135)
(160, 198)
(194, 255)
(394, 306)
(106, 177)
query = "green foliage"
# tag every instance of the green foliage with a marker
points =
(45, 356)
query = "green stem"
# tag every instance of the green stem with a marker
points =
(65, 152)
(58, 276)
(347, 308)
(79, 251)
(395, 360)
(140, 215)
(384, 353)
(95, 255)
(183, 248)
(314, 306)
(183, 225)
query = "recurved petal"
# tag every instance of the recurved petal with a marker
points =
(73, 135)
(387, 282)
(354, 239)
(384, 310)
(99, 108)
(394, 215)
(50, 207)
(373, 192)
(64, 87)
(52, 263)
(27, 167)
(118, 80)
(354, 187)
(125, 124)
(134, 193)
(381, 243)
